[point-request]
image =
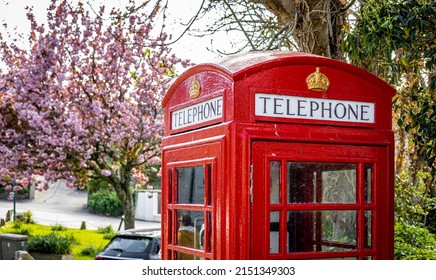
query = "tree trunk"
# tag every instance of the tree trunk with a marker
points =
(122, 188)
(319, 23)
(129, 212)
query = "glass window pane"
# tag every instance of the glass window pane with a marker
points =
(170, 228)
(339, 226)
(274, 172)
(368, 182)
(205, 236)
(327, 231)
(130, 244)
(190, 185)
(159, 203)
(190, 224)
(209, 184)
(310, 182)
(170, 186)
(300, 231)
(368, 229)
(274, 233)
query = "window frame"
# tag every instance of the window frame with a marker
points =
(207, 208)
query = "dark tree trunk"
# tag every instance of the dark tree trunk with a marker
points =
(319, 23)
(126, 198)
(129, 212)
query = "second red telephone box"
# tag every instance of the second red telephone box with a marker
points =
(277, 155)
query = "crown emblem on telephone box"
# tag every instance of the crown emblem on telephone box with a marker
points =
(317, 81)
(194, 88)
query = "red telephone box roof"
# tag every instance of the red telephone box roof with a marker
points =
(239, 66)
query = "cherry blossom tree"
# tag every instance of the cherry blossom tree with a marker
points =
(83, 99)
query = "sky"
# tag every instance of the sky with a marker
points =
(189, 47)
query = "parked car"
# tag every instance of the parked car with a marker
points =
(132, 245)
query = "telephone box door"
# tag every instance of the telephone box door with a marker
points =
(314, 201)
(190, 175)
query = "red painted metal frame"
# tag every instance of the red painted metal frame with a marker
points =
(229, 140)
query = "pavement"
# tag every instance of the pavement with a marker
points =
(68, 207)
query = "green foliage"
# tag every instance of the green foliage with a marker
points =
(90, 251)
(17, 224)
(414, 243)
(84, 238)
(98, 184)
(395, 40)
(413, 202)
(106, 203)
(151, 172)
(51, 244)
(28, 217)
(105, 230)
(58, 227)
(19, 227)
(108, 236)
(108, 232)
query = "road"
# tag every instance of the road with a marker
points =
(61, 205)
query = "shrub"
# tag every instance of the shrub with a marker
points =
(414, 243)
(58, 227)
(108, 232)
(108, 236)
(51, 244)
(105, 203)
(97, 184)
(18, 228)
(24, 231)
(17, 224)
(413, 200)
(90, 251)
(105, 230)
(28, 217)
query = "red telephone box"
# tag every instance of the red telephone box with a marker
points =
(277, 155)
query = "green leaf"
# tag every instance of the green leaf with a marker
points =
(404, 61)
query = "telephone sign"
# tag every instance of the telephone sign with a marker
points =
(198, 113)
(282, 106)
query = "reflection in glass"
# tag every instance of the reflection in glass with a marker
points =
(190, 185)
(339, 226)
(170, 185)
(209, 184)
(274, 232)
(327, 231)
(368, 182)
(191, 224)
(310, 182)
(368, 229)
(159, 202)
(205, 238)
(274, 182)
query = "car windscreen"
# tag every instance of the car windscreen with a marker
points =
(130, 244)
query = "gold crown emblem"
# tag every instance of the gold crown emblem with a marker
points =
(194, 89)
(317, 81)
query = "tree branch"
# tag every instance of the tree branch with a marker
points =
(345, 8)
(240, 25)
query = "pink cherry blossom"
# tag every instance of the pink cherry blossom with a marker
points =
(83, 99)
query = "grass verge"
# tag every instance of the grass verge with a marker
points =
(87, 242)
